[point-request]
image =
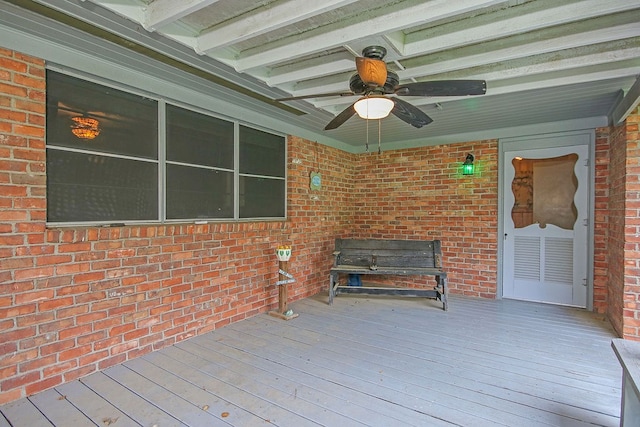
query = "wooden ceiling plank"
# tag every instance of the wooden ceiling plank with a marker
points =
(312, 72)
(162, 12)
(523, 51)
(508, 22)
(265, 20)
(395, 20)
(513, 86)
(579, 65)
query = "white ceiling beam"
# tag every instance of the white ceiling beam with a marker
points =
(500, 88)
(627, 104)
(162, 12)
(392, 21)
(461, 34)
(312, 72)
(269, 19)
(586, 61)
(525, 50)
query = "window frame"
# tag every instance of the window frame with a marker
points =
(162, 162)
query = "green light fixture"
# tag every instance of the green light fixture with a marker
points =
(468, 167)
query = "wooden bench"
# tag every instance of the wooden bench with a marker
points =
(391, 258)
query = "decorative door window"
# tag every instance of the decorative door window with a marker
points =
(544, 192)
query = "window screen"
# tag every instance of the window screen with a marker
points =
(198, 193)
(199, 139)
(90, 187)
(262, 153)
(127, 123)
(261, 197)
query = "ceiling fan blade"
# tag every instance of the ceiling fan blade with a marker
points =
(372, 71)
(443, 88)
(317, 95)
(341, 118)
(410, 113)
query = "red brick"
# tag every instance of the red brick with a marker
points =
(45, 384)
(19, 381)
(35, 296)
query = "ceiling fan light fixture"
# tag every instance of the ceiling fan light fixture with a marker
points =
(373, 107)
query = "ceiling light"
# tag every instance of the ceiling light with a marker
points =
(374, 107)
(85, 127)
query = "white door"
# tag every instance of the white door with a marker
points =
(546, 225)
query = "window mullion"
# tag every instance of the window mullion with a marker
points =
(162, 160)
(236, 170)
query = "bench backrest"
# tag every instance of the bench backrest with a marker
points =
(389, 253)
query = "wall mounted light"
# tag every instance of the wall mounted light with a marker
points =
(373, 107)
(468, 167)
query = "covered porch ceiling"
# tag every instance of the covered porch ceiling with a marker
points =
(545, 61)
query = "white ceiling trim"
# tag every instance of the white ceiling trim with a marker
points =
(254, 25)
(162, 12)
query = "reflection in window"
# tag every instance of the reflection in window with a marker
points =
(544, 191)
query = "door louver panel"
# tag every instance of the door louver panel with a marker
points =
(527, 258)
(558, 260)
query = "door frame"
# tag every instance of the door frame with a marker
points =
(560, 139)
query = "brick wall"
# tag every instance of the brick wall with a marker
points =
(601, 221)
(625, 287)
(623, 291)
(631, 311)
(420, 193)
(76, 300)
(616, 221)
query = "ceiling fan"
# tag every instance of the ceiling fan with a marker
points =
(373, 81)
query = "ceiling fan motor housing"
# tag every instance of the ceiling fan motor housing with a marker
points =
(359, 87)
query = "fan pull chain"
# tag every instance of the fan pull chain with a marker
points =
(379, 135)
(367, 143)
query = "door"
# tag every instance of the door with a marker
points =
(546, 225)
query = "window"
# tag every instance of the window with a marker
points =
(199, 159)
(262, 174)
(117, 157)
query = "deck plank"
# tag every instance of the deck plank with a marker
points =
(375, 361)
(180, 378)
(59, 410)
(189, 413)
(93, 406)
(133, 405)
(23, 412)
(234, 393)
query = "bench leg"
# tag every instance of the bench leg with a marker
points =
(443, 297)
(332, 281)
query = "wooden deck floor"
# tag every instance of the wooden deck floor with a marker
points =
(365, 361)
